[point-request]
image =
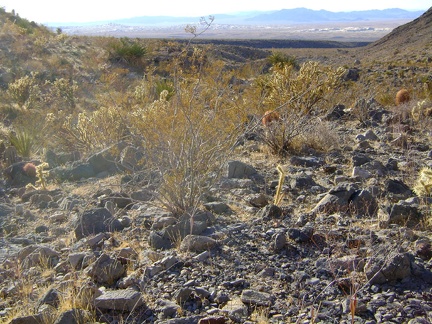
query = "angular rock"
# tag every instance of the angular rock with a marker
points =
(39, 255)
(74, 316)
(73, 173)
(337, 199)
(256, 298)
(405, 213)
(300, 235)
(51, 297)
(95, 221)
(15, 175)
(36, 318)
(382, 270)
(235, 309)
(105, 161)
(197, 243)
(213, 320)
(361, 173)
(240, 170)
(278, 242)
(309, 162)
(76, 259)
(302, 181)
(167, 308)
(159, 241)
(271, 211)
(359, 159)
(217, 207)
(186, 225)
(106, 270)
(122, 300)
(398, 189)
(56, 159)
(363, 203)
(258, 200)
(182, 295)
(336, 113)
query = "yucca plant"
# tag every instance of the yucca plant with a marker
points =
(23, 142)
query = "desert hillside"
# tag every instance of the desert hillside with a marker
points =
(164, 181)
(407, 40)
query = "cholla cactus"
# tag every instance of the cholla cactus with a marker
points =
(304, 89)
(278, 196)
(423, 186)
(420, 110)
(24, 91)
(41, 174)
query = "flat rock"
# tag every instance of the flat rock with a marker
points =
(256, 298)
(123, 300)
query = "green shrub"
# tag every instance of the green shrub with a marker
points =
(280, 60)
(126, 50)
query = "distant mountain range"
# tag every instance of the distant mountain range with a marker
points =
(303, 15)
(284, 16)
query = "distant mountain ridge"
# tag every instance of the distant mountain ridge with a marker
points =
(301, 15)
(284, 16)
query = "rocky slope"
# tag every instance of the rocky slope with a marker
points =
(350, 240)
(407, 40)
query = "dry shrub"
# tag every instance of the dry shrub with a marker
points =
(187, 138)
(88, 131)
(402, 96)
(298, 98)
(321, 137)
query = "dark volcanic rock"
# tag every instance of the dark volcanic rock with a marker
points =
(95, 221)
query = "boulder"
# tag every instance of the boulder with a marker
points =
(95, 221)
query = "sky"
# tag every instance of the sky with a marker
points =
(45, 11)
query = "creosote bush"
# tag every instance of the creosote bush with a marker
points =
(185, 140)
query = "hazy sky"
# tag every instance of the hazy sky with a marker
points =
(43, 11)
